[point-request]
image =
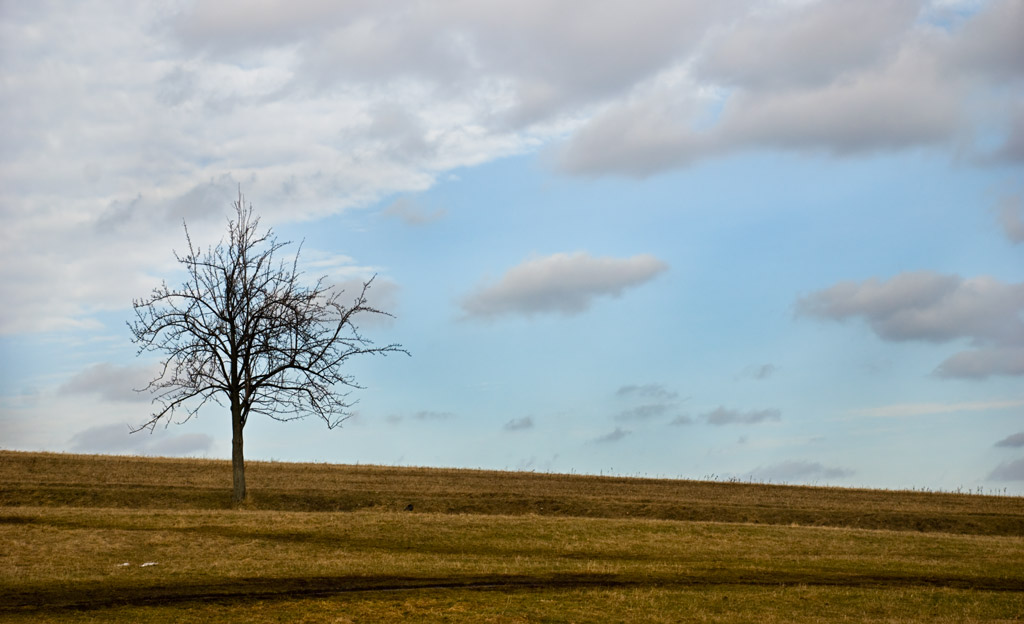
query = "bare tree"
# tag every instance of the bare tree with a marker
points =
(242, 329)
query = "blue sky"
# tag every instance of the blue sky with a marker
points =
(772, 240)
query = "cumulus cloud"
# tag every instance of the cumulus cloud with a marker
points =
(769, 48)
(888, 78)
(725, 416)
(926, 306)
(561, 283)
(519, 424)
(1015, 440)
(936, 308)
(796, 470)
(640, 136)
(565, 53)
(989, 42)
(1008, 471)
(146, 116)
(981, 363)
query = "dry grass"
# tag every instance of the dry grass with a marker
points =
(60, 560)
(41, 479)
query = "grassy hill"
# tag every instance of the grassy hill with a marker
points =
(321, 542)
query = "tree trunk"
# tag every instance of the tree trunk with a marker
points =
(237, 456)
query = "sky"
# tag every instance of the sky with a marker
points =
(769, 240)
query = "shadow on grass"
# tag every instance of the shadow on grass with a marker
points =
(95, 596)
(194, 498)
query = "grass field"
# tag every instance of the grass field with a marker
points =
(326, 543)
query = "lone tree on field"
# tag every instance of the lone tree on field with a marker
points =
(243, 330)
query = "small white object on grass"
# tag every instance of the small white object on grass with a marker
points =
(123, 564)
(147, 564)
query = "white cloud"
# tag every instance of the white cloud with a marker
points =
(561, 283)
(119, 124)
(990, 42)
(769, 48)
(839, 77)
(123, 117)
(639, 136)
(936, 308)
(904, 106)
(982, 363)
(925, 306)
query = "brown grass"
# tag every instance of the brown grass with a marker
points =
(42, 479)
(484, 547)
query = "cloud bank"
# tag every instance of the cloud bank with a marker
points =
(147, 116)
(885, 75)
(562, 283)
